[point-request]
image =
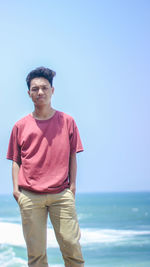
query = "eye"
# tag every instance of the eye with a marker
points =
(44, 88)
(34, 89)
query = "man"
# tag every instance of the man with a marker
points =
(43, 147)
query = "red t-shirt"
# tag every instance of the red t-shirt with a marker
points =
(43, 148)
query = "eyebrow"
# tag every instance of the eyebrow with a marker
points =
(35, 86)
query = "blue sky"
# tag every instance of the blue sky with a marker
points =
(100, 52)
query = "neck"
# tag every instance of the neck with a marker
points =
(43, 112)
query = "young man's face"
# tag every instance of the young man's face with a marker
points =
(40, 91)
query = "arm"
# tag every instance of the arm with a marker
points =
(15, 172)
(72, 172)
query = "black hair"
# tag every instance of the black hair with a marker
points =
(40, 72)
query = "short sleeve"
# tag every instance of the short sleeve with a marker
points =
(14, 151)
(74, 138)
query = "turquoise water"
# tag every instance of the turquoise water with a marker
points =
(115, 229)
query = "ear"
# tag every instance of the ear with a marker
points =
(53, 89)
(29, 93)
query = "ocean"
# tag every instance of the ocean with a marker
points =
(115, 231)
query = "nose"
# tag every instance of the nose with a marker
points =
(40, 91)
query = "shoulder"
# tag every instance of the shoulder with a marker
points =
(65, 116)
(23, 121)
(67, 120)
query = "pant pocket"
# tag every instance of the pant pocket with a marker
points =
(71, 193)
(19, 199)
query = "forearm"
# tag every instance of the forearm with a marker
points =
(15, 173)
(73, 172)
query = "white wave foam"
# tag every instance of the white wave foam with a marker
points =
(12, 234)
(7, 258)
(135, 209)
(82, 216)
(11, 219)
(91, 236)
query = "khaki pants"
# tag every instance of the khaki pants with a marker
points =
(61, 209)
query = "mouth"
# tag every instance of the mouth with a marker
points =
(40, 97)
